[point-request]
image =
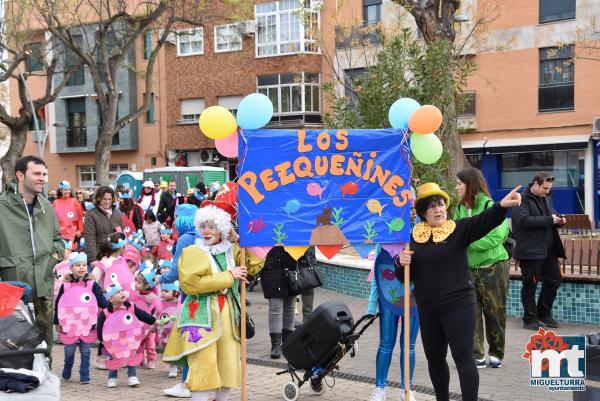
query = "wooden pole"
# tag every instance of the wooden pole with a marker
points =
(243, 328)
(407, 328)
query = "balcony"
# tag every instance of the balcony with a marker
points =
(76, 137)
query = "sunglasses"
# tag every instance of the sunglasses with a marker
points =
(549, 179)
(79, 193)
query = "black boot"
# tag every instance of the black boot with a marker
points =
(275, 345)
(285, 333)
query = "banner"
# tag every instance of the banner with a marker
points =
(324, 187)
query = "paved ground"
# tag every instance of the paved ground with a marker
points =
(511, 382)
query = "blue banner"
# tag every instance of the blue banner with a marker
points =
(324, 187)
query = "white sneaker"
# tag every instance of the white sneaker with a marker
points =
(133, 381)
(495, 362)
(412, 395)
(173, 371)
(179, 390)
(112, 383)
(378, 394)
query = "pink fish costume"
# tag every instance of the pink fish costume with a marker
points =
(118, 273)
(61, 270)
(77, 310)
(121, 330)
(149, 302)
(166, 314)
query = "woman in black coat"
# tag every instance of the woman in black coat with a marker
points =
(282, 303)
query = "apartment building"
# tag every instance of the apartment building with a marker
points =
(533, 101)
(71, 124)
(281, 52)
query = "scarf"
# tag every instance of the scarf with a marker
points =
(423, 231)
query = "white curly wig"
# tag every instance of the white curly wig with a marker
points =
(221, 218)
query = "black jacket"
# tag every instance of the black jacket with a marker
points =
(273, 277)
(166, 207)
(533, 228)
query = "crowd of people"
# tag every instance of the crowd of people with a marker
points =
(163, 272)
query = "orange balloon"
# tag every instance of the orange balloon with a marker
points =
(425, 120)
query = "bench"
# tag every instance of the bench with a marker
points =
(582, 262)
(576, 224)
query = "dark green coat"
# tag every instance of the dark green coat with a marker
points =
(18, 259)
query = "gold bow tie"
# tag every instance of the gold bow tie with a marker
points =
(423, 231)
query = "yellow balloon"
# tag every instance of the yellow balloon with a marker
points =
(217, 122)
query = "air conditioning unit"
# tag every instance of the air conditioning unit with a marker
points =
(596, 126)
(246, 27)
(210, 156)
(171, 36)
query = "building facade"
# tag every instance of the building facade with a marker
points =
(71, 123)
(279, 52)
(533, 103)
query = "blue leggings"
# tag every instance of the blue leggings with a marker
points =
(388, 331)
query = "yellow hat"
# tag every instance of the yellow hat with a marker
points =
(190, 191)
(429, 189)
(163, 185)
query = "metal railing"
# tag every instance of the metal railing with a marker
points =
(76, 137)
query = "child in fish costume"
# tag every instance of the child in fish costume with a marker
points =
(75, 315)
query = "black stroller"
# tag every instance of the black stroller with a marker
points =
(318, 345)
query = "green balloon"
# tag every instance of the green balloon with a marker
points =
(426, 148)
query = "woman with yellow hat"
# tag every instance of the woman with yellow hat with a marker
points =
(443, 283)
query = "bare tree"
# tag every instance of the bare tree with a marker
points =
(117, 26)
(436, 20)
(17, 42)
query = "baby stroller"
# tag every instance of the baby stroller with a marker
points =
(23, 352)
(319, 344)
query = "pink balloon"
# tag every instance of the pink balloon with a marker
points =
(228, 146)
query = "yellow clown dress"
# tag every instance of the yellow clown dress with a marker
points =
(207, 332)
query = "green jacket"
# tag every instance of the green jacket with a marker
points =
(489, 249)
(19, 261)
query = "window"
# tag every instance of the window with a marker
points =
(351, 75)
(557, 79)
(292, 93)
(34, 58)
(231, 103)
(371, 12)
(556, 10)
(227, 38)
(41, 114)
(87, 174)
(466, 104)
(72, 60)
(191, 110)
(565, 166)
(190, 41)
(76, 122)
(475, 160)
(286, 27)
(147, 45)
(150, 117)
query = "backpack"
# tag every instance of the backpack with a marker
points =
(510, 243)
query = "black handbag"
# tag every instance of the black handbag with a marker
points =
(304, 278)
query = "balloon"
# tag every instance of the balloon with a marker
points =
(400, 112)
(426, 148)
(228, 147)
(254, 111)
(217, 122)
(425, 119)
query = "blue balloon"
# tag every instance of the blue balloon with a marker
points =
(401, 111)
(254, 111)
